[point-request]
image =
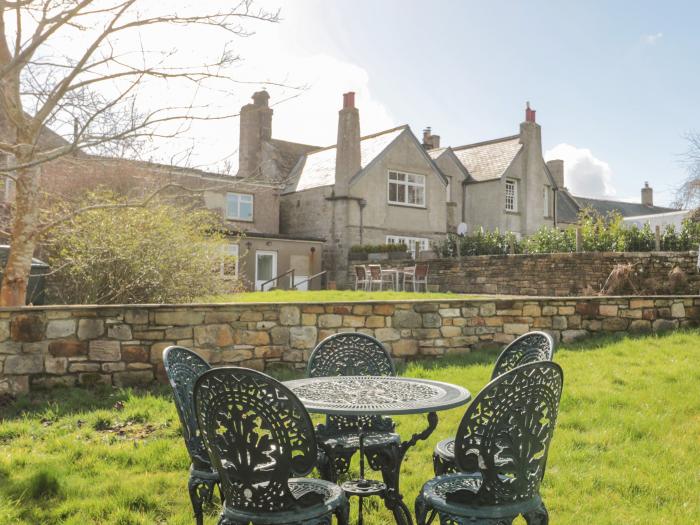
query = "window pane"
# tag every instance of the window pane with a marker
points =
(265, 267)
(411, 194)
(401, 193)
(420, 196)
(232, 210)
(392, 192)
(246, 210)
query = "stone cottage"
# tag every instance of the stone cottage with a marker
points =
(390, 187)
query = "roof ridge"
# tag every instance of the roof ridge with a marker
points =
(485, 142)
(294, 143)
(372, 136)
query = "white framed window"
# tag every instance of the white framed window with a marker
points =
(545, 195)
(511, 195)
(415, 244)
(229, 263)
(407, 189)
(239, 206)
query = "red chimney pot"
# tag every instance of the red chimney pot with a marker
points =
(349, 100)
(529, 114)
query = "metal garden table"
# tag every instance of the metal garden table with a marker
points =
(387, 396)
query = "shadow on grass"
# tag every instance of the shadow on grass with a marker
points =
(67, 401)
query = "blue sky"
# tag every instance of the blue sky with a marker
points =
(615, 81)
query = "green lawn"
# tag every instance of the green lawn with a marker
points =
(336, 296)
(626, 448)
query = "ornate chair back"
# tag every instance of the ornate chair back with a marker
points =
(360, 273)
(258, 435)
(351, 354)
(421, 272)
(375, 271)
(183, 367)
(506, 431)
(528, 348)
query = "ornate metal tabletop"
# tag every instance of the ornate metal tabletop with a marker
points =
(369, 395)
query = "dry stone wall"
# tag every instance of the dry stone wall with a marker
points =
(123, 345)
(555, 274)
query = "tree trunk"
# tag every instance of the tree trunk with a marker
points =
(25, 225)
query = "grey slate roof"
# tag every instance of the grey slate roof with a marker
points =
(569, 205)
(288, 153)
(488, 160)
(317, 168)
(567, 208)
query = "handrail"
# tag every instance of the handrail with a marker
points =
(277, 278)
(294, 287)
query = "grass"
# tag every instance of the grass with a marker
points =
(340, 296)
(625, 450)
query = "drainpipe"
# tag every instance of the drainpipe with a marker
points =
(554, 206)
(464, 200)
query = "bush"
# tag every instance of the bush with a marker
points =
(479, 243)
(157, 254)
(599, 233)
(378, 248)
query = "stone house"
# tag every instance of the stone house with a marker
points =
(248, 208)
(390, 187)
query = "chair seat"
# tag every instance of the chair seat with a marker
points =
(203, 473)
(436, 493)
(351, 440)
(333, 498)
(446, 449)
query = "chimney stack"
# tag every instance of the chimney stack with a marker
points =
(430, 141)
(256, 128)
(529, 113)
(647, 195)
(556, 168)
(348, 160)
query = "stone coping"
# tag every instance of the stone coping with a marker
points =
(467, 298)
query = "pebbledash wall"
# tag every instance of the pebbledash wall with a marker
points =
(550, 274)
(123, 345)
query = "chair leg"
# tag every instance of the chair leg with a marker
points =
(539, 516)
(342, 514)
(200, 491)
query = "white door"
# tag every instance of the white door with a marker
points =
(265, 268)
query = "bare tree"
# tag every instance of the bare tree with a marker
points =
(688, 195)
(81, 67)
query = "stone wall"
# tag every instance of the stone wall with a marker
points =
(556, 274)
(123, 345)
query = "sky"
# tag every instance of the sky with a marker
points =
(615, 84)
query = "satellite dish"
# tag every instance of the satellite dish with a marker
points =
(462, 228)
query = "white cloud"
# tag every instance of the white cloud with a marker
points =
(584, 174)
(308, 115)
(653, 38)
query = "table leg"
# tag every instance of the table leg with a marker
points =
(389, 460)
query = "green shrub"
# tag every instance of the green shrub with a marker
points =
(599, 233)
(135, 255)
(378, 248)
(480, 243)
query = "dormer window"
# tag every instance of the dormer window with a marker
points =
(239, 207)
(511, 195)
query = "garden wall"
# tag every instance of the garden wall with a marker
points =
(123, 345)
(555, 274)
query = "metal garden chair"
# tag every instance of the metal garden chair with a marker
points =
(528, 348)
(351, 354)
(418, 275)
(259, 435)
(501, 453)
(183, 367)
(361, 277)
